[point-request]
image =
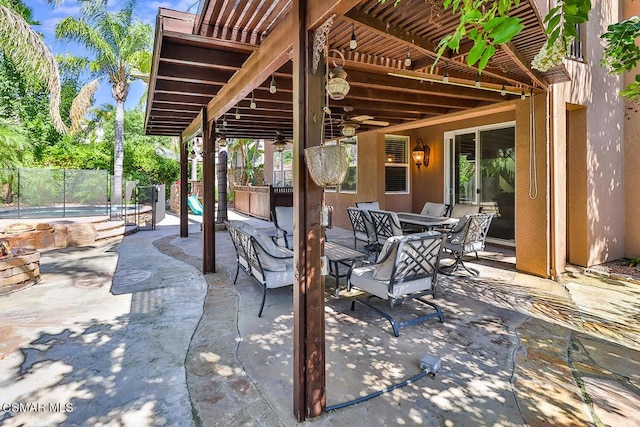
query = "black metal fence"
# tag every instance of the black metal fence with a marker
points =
(51, 193)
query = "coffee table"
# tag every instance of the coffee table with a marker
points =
(340, 255)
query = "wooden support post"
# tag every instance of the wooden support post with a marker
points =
(309, 383)
(184, 216)
(208, 178)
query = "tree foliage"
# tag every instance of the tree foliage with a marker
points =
(119, 49)
(29, 54)
(143, 158)
(622, 54)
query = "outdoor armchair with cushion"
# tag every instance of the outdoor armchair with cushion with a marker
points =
(467, 236)
(407, 268)
(240, 241)
(269, 264)
(283, 220)
(434, 209)
(363, 230)
(460, 209)
(385, 224)
(367, 206)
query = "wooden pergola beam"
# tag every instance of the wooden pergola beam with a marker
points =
(515, 55)
(386, 30)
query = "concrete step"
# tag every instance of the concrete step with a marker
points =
(108, 229)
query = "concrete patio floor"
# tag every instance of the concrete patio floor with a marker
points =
(129, 332)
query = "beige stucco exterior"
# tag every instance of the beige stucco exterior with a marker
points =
(589, 121)
(632, 160)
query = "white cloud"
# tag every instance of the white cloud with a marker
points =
(47, 26)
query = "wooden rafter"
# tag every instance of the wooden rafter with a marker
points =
(511, 50)
(233, 54)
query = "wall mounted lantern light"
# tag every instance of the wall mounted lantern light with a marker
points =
(420, 153)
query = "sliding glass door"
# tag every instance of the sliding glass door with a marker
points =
(481, 171)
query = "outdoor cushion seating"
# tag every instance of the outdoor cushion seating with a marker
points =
(283, 220)
(269, 264)
(363, 230)
(467, 236)
(407, 268)
(385, 224)
(434, 209)
(367, 206)
(459, 210)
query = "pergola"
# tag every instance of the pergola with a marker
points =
(212, 65)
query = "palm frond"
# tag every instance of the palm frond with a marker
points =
(25, 47)
(72, 64)
(81, 103)
(80, 31)
(12, 143)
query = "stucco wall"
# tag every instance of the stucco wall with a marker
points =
(370, 179)
(532, 194)
(632, 160)
(592, 87)
(428, 182)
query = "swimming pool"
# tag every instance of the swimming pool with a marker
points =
(66, 211)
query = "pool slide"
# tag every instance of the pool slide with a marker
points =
(194, 204)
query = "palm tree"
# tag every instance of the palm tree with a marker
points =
(28, 52)
(121, 51)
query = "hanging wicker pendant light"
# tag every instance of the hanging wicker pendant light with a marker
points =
(327, 164)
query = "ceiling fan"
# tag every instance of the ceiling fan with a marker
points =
(363, 119)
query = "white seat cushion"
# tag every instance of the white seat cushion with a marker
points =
(368, 206)
(460, 210)
(279, 279)
(362, 278)
(433, 209)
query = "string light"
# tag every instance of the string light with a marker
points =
(523, 96)
(478, 84)
(407, 60)
(237, 113)
(353, 43)
(445, 78)
(253, 101)
(503, 91)
(224, 121)
(272, 85)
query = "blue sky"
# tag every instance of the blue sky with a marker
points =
(49, 16)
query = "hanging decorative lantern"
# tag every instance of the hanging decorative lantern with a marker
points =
(337, 86)
(279, 143)
(349, 128)
(222, 140)
(327, 164)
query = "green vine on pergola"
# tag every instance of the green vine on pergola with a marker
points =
(488, 24)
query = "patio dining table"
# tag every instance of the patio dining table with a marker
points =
(425, 222)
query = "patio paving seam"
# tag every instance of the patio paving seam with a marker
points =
(200, 343)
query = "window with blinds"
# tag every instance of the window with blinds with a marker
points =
(396, 167)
